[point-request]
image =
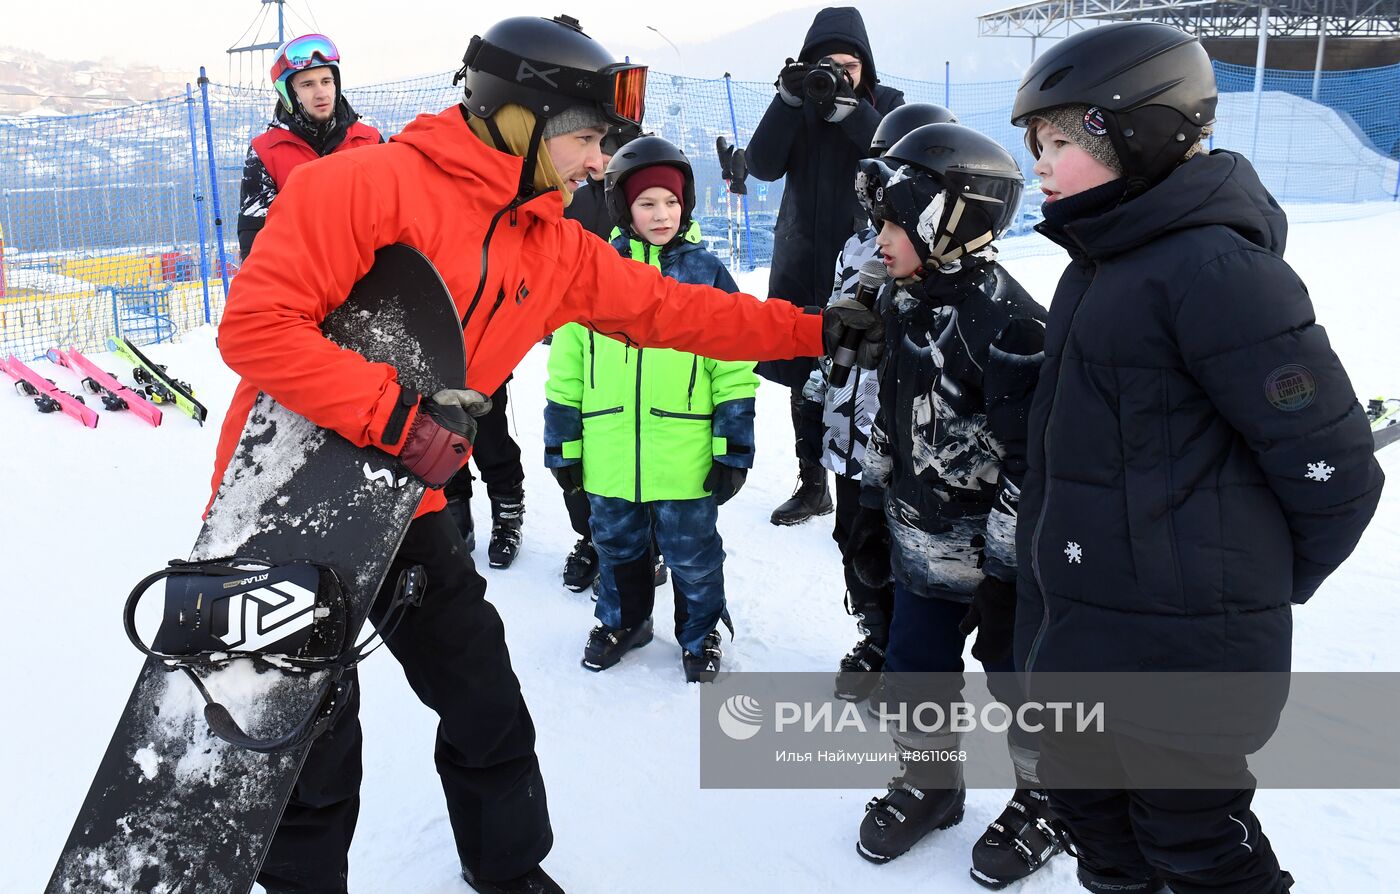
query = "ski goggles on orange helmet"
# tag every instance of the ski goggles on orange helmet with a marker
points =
(618, 90)
(307, 51)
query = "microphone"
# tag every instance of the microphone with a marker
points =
(872, 277)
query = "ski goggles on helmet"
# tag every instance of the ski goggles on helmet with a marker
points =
(619, 90)
(889, 192)
(299, 53)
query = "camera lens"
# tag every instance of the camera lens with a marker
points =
(819, 85)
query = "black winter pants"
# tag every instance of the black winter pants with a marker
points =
(876, 603)
(807, 428)
(453, 652)
(1199, 841)
(496, 455)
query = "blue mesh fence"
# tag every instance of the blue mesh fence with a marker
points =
(109, 223)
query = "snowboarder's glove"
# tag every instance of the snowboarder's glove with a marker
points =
(570, 477)
(474, 402)
(993, 615)
(847, 313)
(440, 439)
(869, 547)
(789, 82)
(842, 103)
(724, 481)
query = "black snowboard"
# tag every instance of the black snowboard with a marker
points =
(174, 809)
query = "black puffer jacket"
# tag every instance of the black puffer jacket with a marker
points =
(819, 210)
(590, 208)
(947, 450)
(1198, 460)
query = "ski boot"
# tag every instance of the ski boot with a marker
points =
(810, 499)
(1018, 842)
(704, 667)
(507, 514)
(581, 566)
(607, 645)
(859, 672)
(900, 818)
(1114, 883)
(536, 881)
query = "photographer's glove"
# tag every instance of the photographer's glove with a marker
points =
(440, 439)
(789, 82)
(843, 103)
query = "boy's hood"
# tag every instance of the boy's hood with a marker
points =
(447, 142)
(1221, 188)
(843, 23)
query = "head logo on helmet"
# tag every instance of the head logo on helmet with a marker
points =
(1150, 88)
(302, 54)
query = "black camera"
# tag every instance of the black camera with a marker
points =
(821, 81)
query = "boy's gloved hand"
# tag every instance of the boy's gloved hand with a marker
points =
(993, 615)
(440, 439)
(570, 477)
(842, 103)
(869, 547)
(789, 82)
(845, 314)
(724, 481)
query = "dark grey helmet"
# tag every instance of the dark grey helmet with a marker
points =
(1154, 84)
(547, 66)
(952, 189)
(905, 118)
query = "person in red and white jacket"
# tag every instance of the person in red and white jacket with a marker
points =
(312, 119)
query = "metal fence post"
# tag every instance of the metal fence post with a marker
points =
(214, 180)
(198, 196)
(947, 85)
(743, 200)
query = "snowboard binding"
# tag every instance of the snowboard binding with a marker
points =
(290, 618)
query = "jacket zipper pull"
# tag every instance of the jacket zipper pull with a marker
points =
(512, 215)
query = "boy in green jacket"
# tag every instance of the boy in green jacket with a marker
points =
(657, 438)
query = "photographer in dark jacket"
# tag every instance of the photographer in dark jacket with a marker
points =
(816, 129)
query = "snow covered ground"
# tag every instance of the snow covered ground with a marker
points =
(89, 512)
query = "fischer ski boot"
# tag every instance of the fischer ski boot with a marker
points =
(507, 514)
(606, 645)
(536, 881)
(581, 566)
(1018, 842)
(704, 667)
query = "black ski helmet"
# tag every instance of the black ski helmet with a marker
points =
(905, 118)
(1153, 83)
(644, 152)
(547, 66)
(950, 188)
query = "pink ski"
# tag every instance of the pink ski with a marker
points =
(115, 395)
(47, 396)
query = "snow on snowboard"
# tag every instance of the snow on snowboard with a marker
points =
(174, 808)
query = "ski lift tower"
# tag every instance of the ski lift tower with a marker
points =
(260, 43)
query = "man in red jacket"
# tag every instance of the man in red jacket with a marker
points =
(312, 119)
(479, 188)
